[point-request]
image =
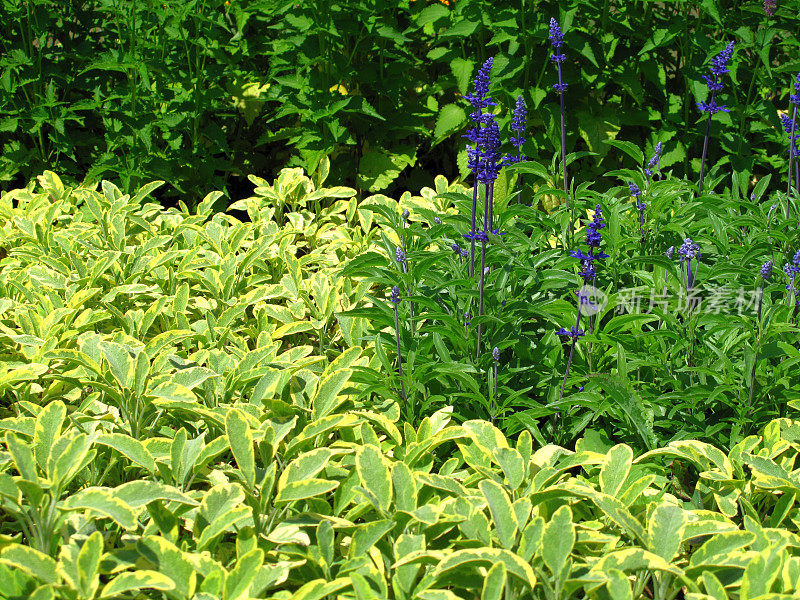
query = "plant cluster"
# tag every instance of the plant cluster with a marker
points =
(200, 93)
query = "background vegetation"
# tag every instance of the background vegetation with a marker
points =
(201, 94)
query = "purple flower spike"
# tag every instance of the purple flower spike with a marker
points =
(770, 6)
(556, 35)
(573, 333)
(394, 298)
(654, 160)
(766, 270)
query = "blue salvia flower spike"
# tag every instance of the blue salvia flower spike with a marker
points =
(557, 39)
(719, 66)
(766, 273)
(479, 100)
(491, 166)
(654, 161)
(637, 193)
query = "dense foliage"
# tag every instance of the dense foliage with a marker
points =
(200, 93)
(183, 418)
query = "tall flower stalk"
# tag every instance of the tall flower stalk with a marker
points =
(766, 273)
(491, 165)
(475, 158)
(790, 126)
(719, 66)
(557, 39)
(637, 194)
(589, 276)
(394, 298)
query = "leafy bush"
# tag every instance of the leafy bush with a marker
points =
(182, 418)
(199, 94)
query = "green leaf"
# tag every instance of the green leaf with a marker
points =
(300, 490)
(558, 541)
(130, 448)
(133, 581)
(761, 572)
(451, 117)
(319, 589)
(140, 492)
(486, 557)
(221, 508)
(34, 563)
(494, 583)
(47, 429)
(104, 502)
(619, 587)
(120, 362)
(615, 469)
(241, 577)
(462, 69)
(328, 388)
(23, 457)
(305, 466)
(240, 439)
(665, 530)
(510, 460)
(628, 148)
(373, 471)
(88, 562)
(505, 521)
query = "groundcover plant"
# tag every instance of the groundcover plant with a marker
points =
(455, 395)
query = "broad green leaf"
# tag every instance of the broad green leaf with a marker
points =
(34, 563)
(487, 557)
(513, 465)
(221, 508)
(140, 492)
(319, 589)
(88, 562)
(665, 530)
(495, 583)
(305, 467)
(558, 540)
(48, 428)
(104, 502)
(241, 577)
(172, 563)
(130, 448)
(505, 521)
(615, 469)
(619, 588)
(120, 362)
(300, 490)
(324, 400)
(240, 439)
(373, 471)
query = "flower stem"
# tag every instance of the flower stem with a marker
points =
(399, 356)
(705, 146)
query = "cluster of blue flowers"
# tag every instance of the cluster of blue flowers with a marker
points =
(557, 39)
(654, 160)
(688, 252)
(791, 270)
(719, 66)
